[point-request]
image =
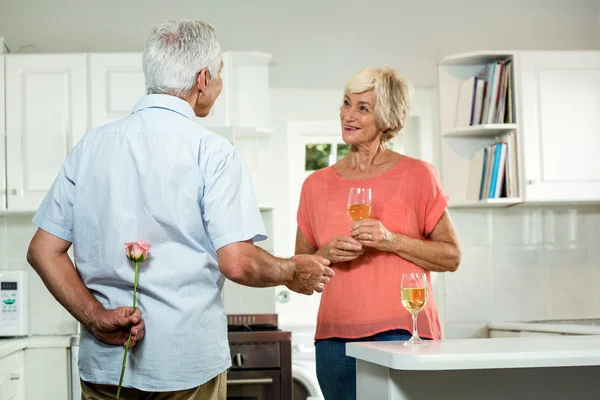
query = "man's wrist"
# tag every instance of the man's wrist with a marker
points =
(90, 316)
(290, 271)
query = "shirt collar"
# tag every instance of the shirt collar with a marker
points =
(168, 102)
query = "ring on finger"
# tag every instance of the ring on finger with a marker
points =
(370, 236)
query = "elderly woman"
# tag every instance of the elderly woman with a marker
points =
(409, 230)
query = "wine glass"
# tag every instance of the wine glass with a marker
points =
(414, 297)
(359, 203)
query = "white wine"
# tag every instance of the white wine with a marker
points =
(414, 299)
(358, 212)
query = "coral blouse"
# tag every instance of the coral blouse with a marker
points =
(364, 296)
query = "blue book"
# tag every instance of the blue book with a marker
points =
(498, 149)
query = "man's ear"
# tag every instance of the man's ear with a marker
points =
(202, 80)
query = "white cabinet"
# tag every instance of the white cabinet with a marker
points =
(116, 82)
(239, 299)
(555, 120)
(245, 99)
(11, 377)
(48, 97)
(45, 116)
(2, 139)
(560, 103)
(47, 371)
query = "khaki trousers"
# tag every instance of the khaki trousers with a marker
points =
(215, 389)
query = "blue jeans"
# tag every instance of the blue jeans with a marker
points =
(336, 372)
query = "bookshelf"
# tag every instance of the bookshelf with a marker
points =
(466, 82)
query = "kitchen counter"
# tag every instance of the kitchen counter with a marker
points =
(10, 345)
(567, 327)
(521, 368)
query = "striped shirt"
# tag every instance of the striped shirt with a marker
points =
(158, 176)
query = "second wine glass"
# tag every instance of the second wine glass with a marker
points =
(359, 203)
(414, 295)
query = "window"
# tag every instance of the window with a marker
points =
(317, 156)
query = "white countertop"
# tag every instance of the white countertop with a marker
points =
(569, 329)
(522, 352)
(10, 345)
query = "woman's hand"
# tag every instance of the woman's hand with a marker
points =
(341, 249)
(372, 233)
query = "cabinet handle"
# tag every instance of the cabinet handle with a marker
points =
(258, 381)
(530, 181)
(15, 377)
(14, 192)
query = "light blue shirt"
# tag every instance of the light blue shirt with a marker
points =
(157, 176)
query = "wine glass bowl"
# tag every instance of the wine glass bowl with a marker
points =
(359, 203)
(414, 294)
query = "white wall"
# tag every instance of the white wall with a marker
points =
(46, 315)
(315, 43)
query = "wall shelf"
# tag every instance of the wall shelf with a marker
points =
(485, 130)
(500, 202)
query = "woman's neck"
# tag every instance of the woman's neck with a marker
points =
(362, 157)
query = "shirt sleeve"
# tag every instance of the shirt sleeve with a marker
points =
(303, 216)
(229, 205)
(55, 214)
(433, 199)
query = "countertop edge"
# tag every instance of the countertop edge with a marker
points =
(469, 360)
(12, 345)
(543, 327)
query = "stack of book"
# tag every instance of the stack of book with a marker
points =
(488, 97)
(494, 170)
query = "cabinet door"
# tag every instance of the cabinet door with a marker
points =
(2, 139)
(116, 84)
(11, 376)
(45, 118)
(47, 372)
(560, 104)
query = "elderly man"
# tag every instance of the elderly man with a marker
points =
(159, 176)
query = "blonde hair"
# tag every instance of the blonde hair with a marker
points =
(393, 95)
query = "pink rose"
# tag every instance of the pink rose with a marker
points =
(137, 251)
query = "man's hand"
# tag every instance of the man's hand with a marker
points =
(312, 273)
(114, 326)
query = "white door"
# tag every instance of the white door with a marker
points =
(116, 84)
(45, 118)
(560, 119)
(2, 139)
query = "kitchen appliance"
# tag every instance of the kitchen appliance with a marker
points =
(261, 357)
(13, 303)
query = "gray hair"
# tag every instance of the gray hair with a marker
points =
(175, 52)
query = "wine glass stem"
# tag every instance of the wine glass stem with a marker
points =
(415, 333)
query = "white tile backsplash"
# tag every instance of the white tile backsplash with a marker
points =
(3, 242)
(469, 294)
(46, 315)
(474, 227)
(540, 263)
(469, 330)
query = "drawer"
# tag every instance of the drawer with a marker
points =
(254, 355)
(11, 375)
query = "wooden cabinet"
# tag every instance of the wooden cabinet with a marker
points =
(11, 376)
(46, 116)
(556, 124)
